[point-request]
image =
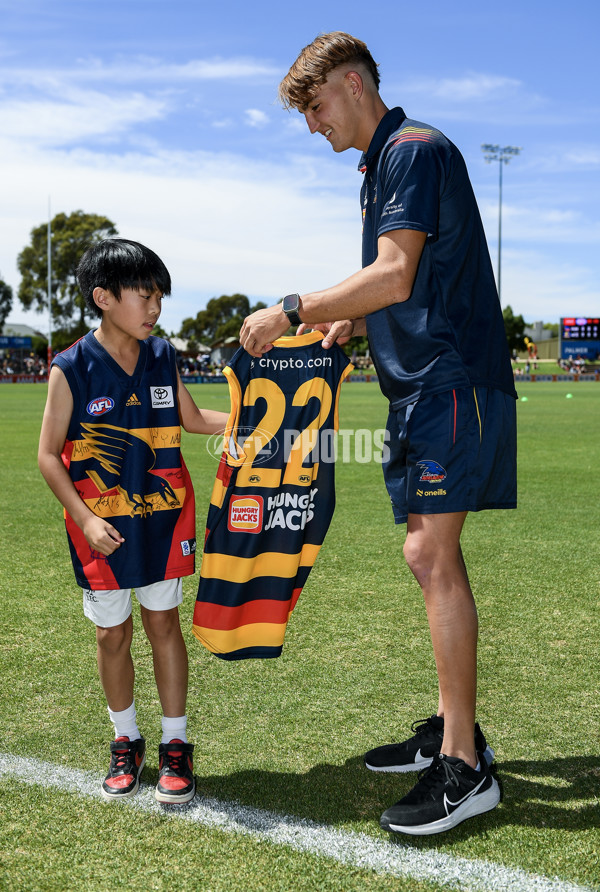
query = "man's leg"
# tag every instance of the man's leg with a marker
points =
(432, 551)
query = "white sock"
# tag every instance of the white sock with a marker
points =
(174, 727)
(125, 722)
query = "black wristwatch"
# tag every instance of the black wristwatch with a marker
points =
(290, 306)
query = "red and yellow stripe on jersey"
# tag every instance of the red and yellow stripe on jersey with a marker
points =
(273, 496)
(123, 454)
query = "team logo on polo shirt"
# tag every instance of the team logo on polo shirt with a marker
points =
(245, 514)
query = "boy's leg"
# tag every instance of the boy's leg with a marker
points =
(432, 551)
(115, 665)
(176, 782)
(170, 658)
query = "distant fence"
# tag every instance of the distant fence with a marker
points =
(593, 376)
(24, 379)
(221, 379)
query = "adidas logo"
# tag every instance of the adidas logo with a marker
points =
(133, 401)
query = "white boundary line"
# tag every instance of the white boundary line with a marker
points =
(347, 847)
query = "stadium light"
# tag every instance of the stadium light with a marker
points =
(501, 154)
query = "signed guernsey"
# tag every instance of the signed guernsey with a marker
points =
(123, 455)
(273, 497)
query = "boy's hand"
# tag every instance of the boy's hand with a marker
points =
(101, 535)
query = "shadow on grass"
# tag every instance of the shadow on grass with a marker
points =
(560, 794)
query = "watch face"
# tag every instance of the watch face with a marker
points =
(291, 303)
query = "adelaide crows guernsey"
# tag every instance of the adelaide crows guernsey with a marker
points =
(123, 455)
(273, 496)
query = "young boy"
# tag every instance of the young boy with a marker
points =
(110, 451)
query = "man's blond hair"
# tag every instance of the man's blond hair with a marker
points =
(317, 60)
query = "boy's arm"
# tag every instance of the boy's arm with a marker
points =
(100, 534)
(195, 420)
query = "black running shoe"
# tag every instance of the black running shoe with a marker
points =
(127, 758)
(176, 782)
(418, 751)
(447, 793)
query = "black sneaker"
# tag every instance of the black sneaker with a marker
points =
(418, 751)
(447, 793)
(127, 758)
(176, 781)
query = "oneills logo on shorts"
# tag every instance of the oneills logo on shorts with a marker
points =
(245, 514)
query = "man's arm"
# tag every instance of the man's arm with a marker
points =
(388, 280)
(100, 534)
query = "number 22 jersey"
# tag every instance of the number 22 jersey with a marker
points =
(273, 497)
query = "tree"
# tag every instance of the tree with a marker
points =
(70, 236)
(6, 300)
(222, 318)
(514, 327)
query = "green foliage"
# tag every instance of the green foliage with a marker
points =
(553, 327)
(70, 237)
(515, 329)
(222, 318)
(6, 302)
(358, 344)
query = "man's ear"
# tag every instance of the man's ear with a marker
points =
(100, 296)
(355, 83)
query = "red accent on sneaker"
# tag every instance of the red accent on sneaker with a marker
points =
(176, 772)
(175, 783)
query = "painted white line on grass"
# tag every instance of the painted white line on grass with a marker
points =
(354, 849)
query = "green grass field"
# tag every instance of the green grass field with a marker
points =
(287, 735)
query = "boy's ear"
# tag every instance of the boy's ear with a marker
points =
(100, 296)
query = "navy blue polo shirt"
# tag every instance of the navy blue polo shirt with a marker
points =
(450, 332)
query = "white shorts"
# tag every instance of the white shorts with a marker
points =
(111, 607)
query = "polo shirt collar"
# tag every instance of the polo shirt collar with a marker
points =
(390, 122)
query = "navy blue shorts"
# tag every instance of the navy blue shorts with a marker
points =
(453, 451)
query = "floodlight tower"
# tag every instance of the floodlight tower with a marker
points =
(501, 154)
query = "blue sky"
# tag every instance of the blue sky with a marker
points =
(163, 116)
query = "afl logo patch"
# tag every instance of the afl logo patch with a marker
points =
(100, 405)
(245, 514)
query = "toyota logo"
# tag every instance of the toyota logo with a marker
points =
(160, 393)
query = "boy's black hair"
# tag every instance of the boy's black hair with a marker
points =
(117, 263)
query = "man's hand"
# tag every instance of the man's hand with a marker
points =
(260, 329)
(333, 331)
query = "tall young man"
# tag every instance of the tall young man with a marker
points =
(427, 300)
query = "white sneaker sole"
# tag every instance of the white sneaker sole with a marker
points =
(476, 805)
(174, 798)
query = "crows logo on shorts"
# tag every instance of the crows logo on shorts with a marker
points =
(273, 496)
(432, 471)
